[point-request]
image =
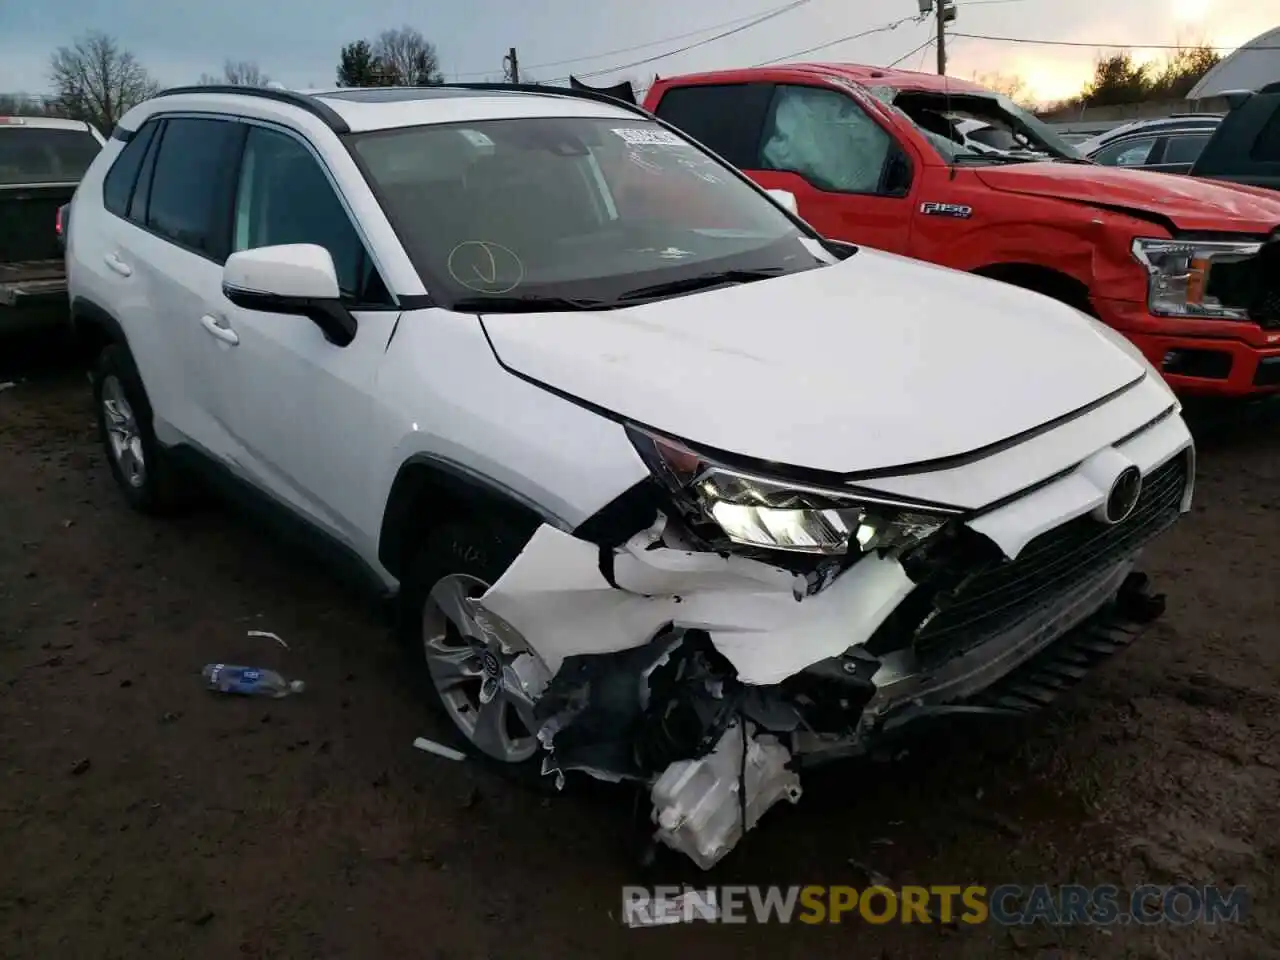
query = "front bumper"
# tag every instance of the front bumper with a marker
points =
(1221, 358)
(662, 665)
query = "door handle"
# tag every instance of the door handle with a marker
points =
(216, 327)
(119, 266)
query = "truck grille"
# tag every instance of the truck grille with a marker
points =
(1051, 564)
(1253, 284)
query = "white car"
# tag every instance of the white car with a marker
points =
(671, 489)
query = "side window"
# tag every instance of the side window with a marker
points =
(725, 118)
(190, 183)
(142, 190)
(117, 186)
(1267, 147)
(825, 137)
(1184, 149)
(284, 196)
(1129, 153)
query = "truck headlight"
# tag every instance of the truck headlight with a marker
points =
(1179, 271)
(759, 511)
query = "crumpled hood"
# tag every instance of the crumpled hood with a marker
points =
(878, 361)
(1191, 203)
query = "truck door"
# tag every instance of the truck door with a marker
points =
(851, 177)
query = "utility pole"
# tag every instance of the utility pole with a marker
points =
(945, 11)
(511, 66)
(942, 37)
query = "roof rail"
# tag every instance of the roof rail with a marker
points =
(334, 121)
(313, 106)
(576, 92)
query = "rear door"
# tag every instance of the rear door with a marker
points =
(169, 238)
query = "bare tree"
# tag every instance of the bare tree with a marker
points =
(1010, 84)
(407, 57)
(237, 73)
(95, 80)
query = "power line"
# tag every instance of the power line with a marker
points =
(911, 53)
(1110, 46)
(924, 52)
(776, 12)
(853, 36)
(635, 47)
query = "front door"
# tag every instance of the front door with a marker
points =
(300, 407)
(849, 175)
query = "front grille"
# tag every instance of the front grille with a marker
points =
(1050, 565)
(1253, 284)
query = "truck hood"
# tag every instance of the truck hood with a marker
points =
(871, 363)
(1191, 203)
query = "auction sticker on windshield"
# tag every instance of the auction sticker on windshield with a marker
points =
(642, 137)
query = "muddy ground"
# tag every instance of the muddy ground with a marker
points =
(143, 817)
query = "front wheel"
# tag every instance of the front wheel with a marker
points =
(472, 677)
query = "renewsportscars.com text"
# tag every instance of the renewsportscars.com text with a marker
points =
(1007, 904)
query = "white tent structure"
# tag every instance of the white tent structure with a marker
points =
(1251, 67)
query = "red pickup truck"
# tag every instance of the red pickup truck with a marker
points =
(1188, 269)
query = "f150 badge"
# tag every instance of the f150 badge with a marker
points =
(929, 208)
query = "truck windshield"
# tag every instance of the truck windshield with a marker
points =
(30, 154)
(572, 212)
(988, 128)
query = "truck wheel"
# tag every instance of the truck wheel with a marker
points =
(467, 676)
(141, 467)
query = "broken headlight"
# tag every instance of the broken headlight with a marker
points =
(1178, 276)
(757, 511)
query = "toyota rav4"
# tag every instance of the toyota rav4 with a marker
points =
(671, 488)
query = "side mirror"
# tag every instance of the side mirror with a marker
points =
(294, 278)
(785, 199)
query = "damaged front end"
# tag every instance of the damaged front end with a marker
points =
(754, 626)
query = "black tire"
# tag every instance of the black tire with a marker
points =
(482, 547)
(159, 490)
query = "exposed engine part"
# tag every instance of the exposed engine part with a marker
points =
(692, 698)
(699, 805)
(594, 707)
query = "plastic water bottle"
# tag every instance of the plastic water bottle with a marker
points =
(248, 681)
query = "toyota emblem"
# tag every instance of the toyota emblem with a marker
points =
(1124, 494)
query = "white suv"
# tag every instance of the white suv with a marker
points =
(672, 489)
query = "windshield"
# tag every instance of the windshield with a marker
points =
(44, 155)
(579, 209)
(981, 128)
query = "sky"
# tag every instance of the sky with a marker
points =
(297, 41)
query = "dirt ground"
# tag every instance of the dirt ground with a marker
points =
(141, 816)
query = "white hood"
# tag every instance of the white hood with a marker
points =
(875, 362)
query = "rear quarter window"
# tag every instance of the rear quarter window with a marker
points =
(31, 154)
(726, 118)
(119, 182)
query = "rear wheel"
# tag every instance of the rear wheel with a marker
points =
(142, 468)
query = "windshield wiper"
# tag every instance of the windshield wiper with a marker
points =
(526, 304)
(981, 158)
(702, 281)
